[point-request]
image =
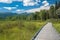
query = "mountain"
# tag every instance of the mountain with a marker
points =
(7, 14)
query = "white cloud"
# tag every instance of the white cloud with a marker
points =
(17, 0)
(9, 8)
(33, 10)
(45, 6)
(30, 2)
(9, 1)
(19, 11)
(17, 5)
(25, 2)
(45, 3)
(38, 9)
(6, 1)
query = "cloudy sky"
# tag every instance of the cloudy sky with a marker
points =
(24, 5)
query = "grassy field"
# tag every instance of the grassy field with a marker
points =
(19, 30)
(57, 25)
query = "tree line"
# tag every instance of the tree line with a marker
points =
(42, 15)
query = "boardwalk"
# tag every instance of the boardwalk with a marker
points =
(48, 33)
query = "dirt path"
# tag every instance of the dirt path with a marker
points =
(48, 33)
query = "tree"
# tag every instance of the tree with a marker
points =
(57, 4)
(43, 14)
(37, 16)
(52, 11)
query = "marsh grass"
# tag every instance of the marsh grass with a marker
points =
(57, 26)
(19, 30)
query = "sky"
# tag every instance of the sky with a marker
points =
(18, 6)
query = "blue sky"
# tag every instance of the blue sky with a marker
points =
(24, 5)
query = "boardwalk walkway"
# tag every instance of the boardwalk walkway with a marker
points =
(48, 33)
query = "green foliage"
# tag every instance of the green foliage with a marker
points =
(57, 25)
(52, 12)
(19, 30)
(58, 12)
(57, 4)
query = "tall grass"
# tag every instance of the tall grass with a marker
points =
(19, 30)
(56, 25)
